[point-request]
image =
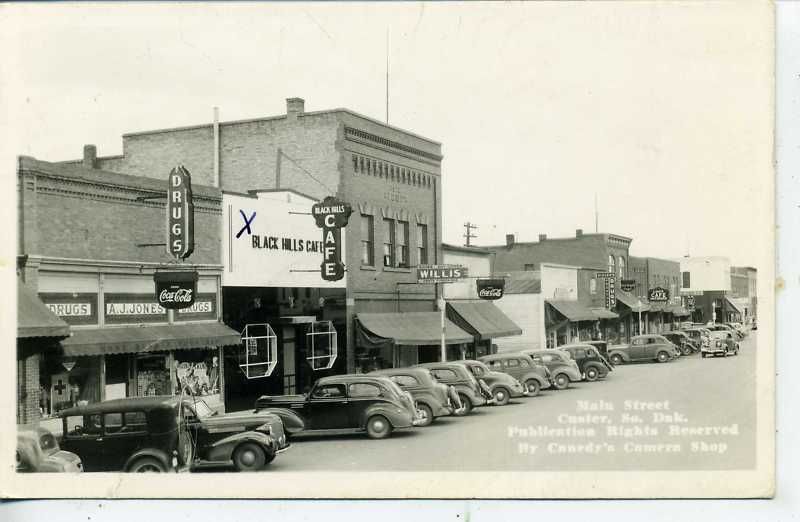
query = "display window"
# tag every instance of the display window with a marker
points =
(321, 340)
(258, 354)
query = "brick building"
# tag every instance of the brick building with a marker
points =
(744, 291)
(391, 177)
(90, 242)
(650, 273)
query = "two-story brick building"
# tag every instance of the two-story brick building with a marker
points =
(650, 273)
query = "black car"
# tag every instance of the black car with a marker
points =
(591, 364)
(685, 344)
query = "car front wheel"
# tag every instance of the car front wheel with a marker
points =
(501, 396)
(616, 359)
(426, 413)
(249, 456)
(561, 381)
(378, 427)
(662, 357)
(592, 373)
(533, 387)
(147, 465)
(466, 405)
(686, 350)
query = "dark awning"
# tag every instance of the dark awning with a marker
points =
(143, 339)
(34, 319)
(733, 305)
(412, 328)
(659, 307)
(632, 302)
(482, 319)
(603, 313)
(573, 310)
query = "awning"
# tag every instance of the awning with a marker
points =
(412, 328)
(678, 311)
(632, 302)
(659, 307)
(575, 311)
(145, 339)
(482, 319)
(733, 305)
(34, 319)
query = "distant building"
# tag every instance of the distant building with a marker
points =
(650, 273)
(706, 283)
(744, 290)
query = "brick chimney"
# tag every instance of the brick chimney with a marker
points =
(578, 232)
(509, 240)
(295, 107)
(542, 237)
(90, 156)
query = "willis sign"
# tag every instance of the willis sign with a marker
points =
(180, 214)
(331, 215)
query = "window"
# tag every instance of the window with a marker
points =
(113, 422)
(593, 286)
(321, 341)
(367, 240)
(477, 371)
(362, 390)
(523, 363)
(530, 267)
(329, 391)
(547, 357)
(402, 244)
(686, 283)
(621, 267)
(513, 363)
(612, 265)
(388, 242)
(445, 375)
(422, 244)
(404, 380)
(259, 354)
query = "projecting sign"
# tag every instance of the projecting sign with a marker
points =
(610, 290)
(658, 295)
(440, 273)
(689, 299)
(331, 215)
(627, 285)
(180, 214)
(491, 289)
(175, 290)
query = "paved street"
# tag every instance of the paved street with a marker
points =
(692, 394)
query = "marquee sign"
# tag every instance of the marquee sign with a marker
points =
(175, 290)
(491, 289)
(441, 273)
(658, 295)
(180, 214)
(627, 285)
(331, 215)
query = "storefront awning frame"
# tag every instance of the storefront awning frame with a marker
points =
(407, 328)
(482, 319)
(34, 318)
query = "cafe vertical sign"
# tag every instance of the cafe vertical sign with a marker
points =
(331, 215)
(180, 214)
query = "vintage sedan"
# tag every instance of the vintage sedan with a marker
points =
(591, 364)
(685, 344)
(168, 433)
(722, 343)
(469, 390)
(433, 399)
(535, 377)
(38, 452)
(348, 404)
(649, 347)
(502, 386)
(563, 369)
(699, 335)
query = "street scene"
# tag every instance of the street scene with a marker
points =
(313, 283)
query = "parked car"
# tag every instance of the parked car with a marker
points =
(433, 399)
(685, 344)
(348, 404)
(166, 433)
(647, 347)
(469, 390)
(602, 347)
(535, 377)
(502, 386)
(722, 343)
(700, 336)
(38, 452)
(591, 364)
(563, 369)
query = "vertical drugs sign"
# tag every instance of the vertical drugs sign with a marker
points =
(180, 213)
(331, 215)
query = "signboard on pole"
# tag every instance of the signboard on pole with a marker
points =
(180, 214)
(331, 215)
(491, 289)
(627, 285)
(441, 273)
(658, 295)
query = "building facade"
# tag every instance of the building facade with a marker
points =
(650, 273)
(706, 285)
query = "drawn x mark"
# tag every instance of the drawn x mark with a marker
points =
(247, 223)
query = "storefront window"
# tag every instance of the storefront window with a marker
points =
(422, 243)
(258, 355)
(402, 244)
(322, 345)
(69, 382)
(197, 371)
(388, 242)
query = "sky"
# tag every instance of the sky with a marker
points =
(663, 111)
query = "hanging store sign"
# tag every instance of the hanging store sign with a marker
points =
(175, 290)
(73, 308)
(491, 289)
(331, 215)
(441, 273)
(627, 285)
(180, 214)
(610, 288)
(689, 302)
(658, 295)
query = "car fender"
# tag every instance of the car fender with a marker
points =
(625, 356)
(387, 410)
(543, 383)
(149, 452)
(292, 421)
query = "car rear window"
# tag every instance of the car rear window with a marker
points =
(360, 390)
(444, 374)
(404, 380)
(513, 363)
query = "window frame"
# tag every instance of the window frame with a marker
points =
(422, 243)
(402, 230)
(368, 244)
(388, 242)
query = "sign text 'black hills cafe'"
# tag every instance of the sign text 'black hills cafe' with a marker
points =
(331, 215)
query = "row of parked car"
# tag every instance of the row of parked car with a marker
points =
(182, 433)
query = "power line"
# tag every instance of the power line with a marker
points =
(310, 175)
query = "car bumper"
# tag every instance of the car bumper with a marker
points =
(715, 351)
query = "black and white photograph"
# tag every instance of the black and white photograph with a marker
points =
(388, 250)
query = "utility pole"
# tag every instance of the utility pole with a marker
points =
(469, 235)
(596, 216)
(387, 75)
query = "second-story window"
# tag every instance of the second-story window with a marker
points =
(612, 265)
(621, 267)
(388, 242)
(422, 243)
(367, 240)
(402, 244)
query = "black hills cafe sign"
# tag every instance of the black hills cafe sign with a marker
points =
(331, 215)
(658, 295)
(491, 289)
(180, 214)
(175, 290)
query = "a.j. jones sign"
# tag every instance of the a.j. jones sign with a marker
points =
(180, 214)
(441, 273)
(331, 215)
(491, 289)
(658, 295)
(175, 290)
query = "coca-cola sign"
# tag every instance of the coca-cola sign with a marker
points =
(175, 290)
(491, 289)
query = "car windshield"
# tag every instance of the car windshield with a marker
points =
(203, 410)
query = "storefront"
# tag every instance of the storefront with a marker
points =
(633, 317)
(395, 340)
(484, 321)
(569, 322)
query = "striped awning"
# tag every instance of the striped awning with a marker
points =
(408, 328)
